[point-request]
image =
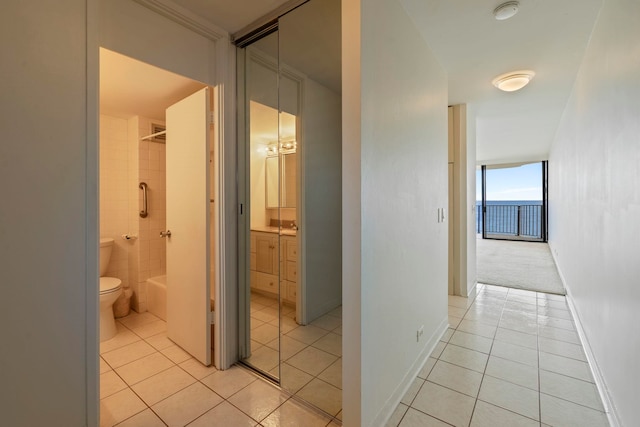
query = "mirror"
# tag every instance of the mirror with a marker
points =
(287, 180)
(272, 180)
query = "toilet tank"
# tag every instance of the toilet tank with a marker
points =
(106, 244)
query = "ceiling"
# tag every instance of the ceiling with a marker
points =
(547, 36)
(133, 88)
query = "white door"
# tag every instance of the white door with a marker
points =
(188, 294)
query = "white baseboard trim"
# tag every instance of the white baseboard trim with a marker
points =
(603, 391)
(392, 403)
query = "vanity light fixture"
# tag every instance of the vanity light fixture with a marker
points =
(506, 10)
(515, 80)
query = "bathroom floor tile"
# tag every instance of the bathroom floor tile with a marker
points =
(104, 366)
(120, 406)
(488, 415)
(175, 354)
(258, 399)
(186, 405)
(565, 366)
(456, 378)
(150, 329)
(426, 369)
(413, 418)
(110, 383)
(465, 358)
(471, 341)
(477, 328)
(558, 412)
(438, 349)
(513, 372)
(143, 419)
(224, 415)
(397, 415)
(307, 334)
(144, 368)
(292, 379)
(562, 348)
(571, 389)
(510, 396)
(444, 404)
(197, 369)
(312, 360)
(162, 385)
(331, 343)
(128, 354)
(289, 347)
(333, 374)
(412, 391)
(516, 353)
(159, 341)
(294, 414)
(559, 334)
(122, 338)
(134, 319)
(264, 358)
(517, 338)
(228, 382)
(265, 333)
(327, 322)
(322, 395)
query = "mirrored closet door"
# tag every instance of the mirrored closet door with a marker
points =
(290, 187)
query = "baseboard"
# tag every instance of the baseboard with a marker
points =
(391, 404)
(603, 391)
(472, 290)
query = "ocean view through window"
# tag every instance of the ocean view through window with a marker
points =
(514, 206)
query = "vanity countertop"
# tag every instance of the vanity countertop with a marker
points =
(275, 230)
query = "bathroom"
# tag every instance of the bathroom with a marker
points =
(133, 186)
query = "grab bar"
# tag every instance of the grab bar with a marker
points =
(143, 212)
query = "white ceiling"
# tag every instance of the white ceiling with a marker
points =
(547, 36)
(132, 88)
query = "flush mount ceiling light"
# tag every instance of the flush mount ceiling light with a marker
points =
(514, 80)
(506, 10)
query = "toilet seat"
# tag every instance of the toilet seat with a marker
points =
(109, 285)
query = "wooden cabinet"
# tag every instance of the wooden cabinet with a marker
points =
(273, 262)
(289, 276)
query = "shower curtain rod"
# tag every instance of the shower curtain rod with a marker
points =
(153, 135)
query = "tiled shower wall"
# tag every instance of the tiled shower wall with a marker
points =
(151, 253)
(125, 161)
(114, 181)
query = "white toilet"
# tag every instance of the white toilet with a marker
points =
(110, 290)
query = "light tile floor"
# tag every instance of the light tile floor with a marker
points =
(311, 355)
(147, 381)
(510, 358)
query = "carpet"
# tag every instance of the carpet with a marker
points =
(515, 264)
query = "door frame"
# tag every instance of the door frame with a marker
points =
(222, 80)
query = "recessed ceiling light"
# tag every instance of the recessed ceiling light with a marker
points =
(506, 10)
(514, 80)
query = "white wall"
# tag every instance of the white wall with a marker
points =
(48, 219)
(471, 200)
(394, 180)
(595, 201)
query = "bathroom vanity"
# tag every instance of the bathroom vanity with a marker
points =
(269, 272)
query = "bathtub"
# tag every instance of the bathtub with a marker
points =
(157, 296)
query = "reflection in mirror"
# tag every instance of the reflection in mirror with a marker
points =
(290, 84)
(310, 83)
(260, 312)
